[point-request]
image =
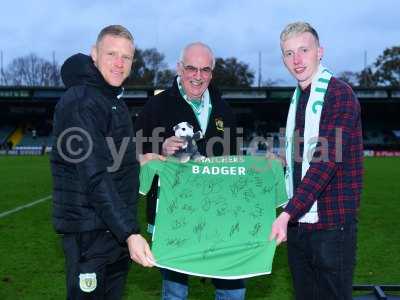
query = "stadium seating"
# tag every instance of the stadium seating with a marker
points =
(5, 132)
(380, 139)
(39, 141)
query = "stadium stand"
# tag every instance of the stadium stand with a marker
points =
(35, 141)
(5, 132)
(376, 138)
(260, 112)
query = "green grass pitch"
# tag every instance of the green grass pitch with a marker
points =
(32, 263)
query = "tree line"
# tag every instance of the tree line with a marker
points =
(385, 71)
(150, 69)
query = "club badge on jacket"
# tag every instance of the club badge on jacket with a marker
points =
(219, 124)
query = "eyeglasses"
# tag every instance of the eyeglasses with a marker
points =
(191, 70)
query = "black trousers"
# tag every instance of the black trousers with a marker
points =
(96, 265)
(322, 262)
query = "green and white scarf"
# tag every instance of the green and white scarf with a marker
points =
(315, 103)
(201, 107)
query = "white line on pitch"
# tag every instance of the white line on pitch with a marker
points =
(6, 213)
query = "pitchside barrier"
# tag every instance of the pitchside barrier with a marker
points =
(382, 153)
(26, 150)
(377, 292)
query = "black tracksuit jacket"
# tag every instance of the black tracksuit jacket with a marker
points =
(93, 194)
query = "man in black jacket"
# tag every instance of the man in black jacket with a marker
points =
(94, 199)
(194, 100)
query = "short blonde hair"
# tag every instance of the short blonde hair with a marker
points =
(114, 30)
(296, 28)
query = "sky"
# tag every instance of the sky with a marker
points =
(351, 32)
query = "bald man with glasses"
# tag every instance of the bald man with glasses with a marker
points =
(193, 99)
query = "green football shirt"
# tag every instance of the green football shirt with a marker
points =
(214, 216)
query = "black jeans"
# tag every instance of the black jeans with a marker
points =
(96, 264)
(322, 262)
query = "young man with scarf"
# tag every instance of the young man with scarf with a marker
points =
(324, 166)
(193, 99)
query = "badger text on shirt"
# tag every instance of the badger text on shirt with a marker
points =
(214, 170)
